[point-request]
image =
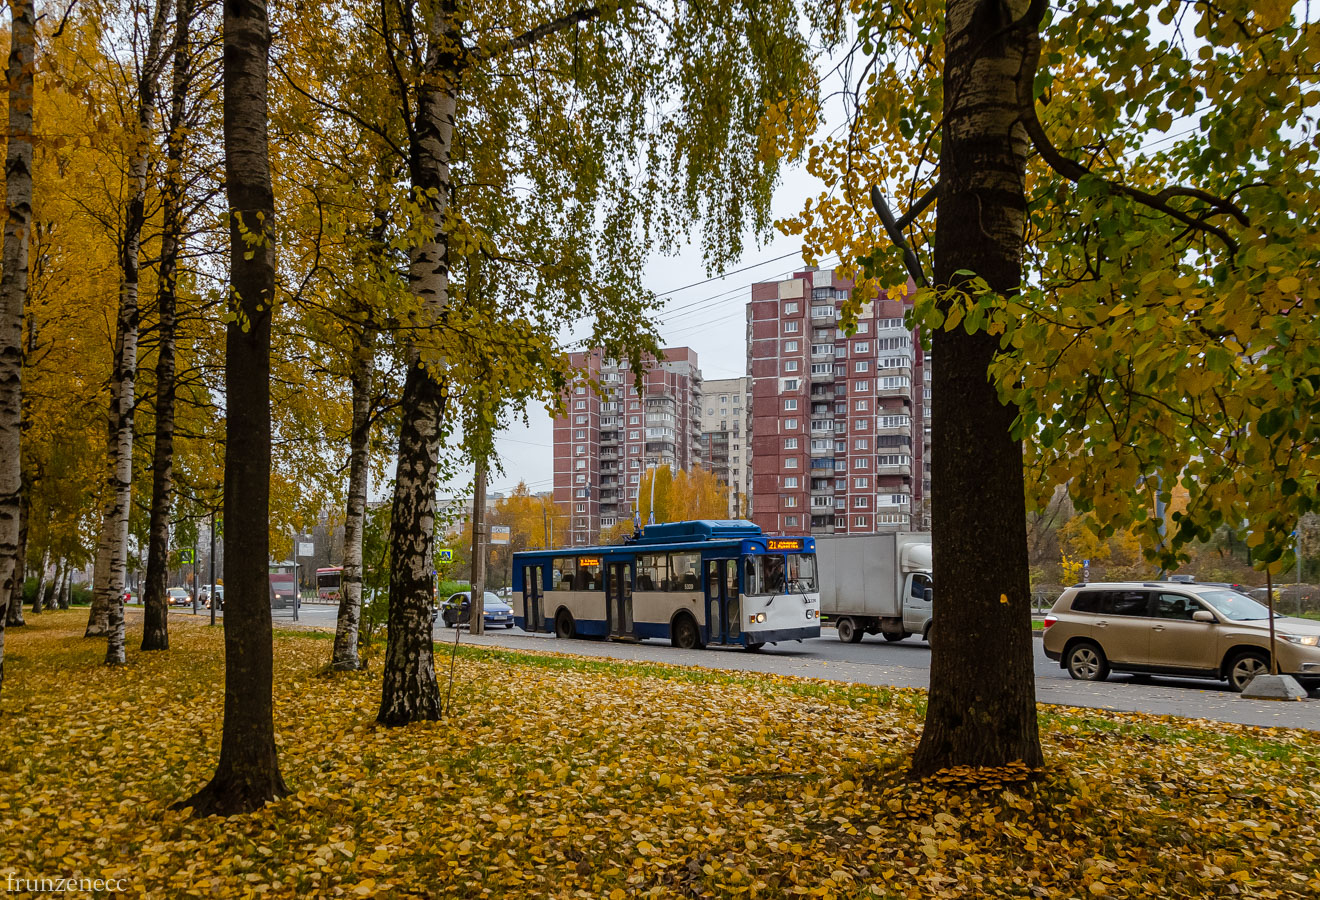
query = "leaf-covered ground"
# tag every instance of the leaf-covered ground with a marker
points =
(565, 777)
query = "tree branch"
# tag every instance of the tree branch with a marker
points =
(544, 30)
(1075, 171)
(895, 231)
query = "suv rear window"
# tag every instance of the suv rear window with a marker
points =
(1112, 603)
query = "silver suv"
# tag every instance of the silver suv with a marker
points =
(1168, 628)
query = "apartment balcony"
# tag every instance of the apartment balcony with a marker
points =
(894, 370)
(822, 377)
(609, 439)
(823, 313)
(905, 471)
(608, 454)
(823, 463)
(903, 391)
(822, 426)
(904, 428)
(823, 502)
(822, 524)
(821, 485)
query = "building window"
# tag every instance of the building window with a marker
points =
(790, 462)
(790, 308)
(859, 521)
(861, 484)
(861, 462)
(790, 522)
(790, 404)
(862, 365)
(607, 521)
(822, 312)
(790, 443)
(582, 507)
(822, 368)
(580, 435)
(581, 479)
(580, 451)
(840, 521)
(634, 435)
(863, 327)
(581, 404)
(861, 424)
(790, 502)
(580, 420)
(790, 346)
(893, 382)
(790, 424)
(791, 365)
(860, 406)
(790, 481)
(634, 464)
(790, 327)
(861, 386)
(862, 444)
(861, 346)
(824, 446)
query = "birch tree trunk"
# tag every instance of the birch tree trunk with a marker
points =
(155, 625)
(247, 775)
(13, 296)
(409, 692)
(52, 597)
(982, 706)
(39, 595)
(114, 523)
(14, 616)
(66, 587)
(346, 655)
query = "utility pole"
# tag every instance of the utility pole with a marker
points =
(477, 606)
(545, 525)
(211, 592)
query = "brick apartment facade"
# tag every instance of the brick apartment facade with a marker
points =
(839, 425)
(603, 445)
(726, 449)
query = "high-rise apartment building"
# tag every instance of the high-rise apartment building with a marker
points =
(725, 448)
(838, 423)
(603, 444)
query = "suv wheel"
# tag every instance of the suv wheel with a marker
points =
(1246, 666)
(1086, 662)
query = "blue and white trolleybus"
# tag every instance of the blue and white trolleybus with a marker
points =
(695, 583)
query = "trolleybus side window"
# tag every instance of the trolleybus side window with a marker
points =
(588, 576)
(563, 573)
(652, 572)
(685, 574)
(801, 572)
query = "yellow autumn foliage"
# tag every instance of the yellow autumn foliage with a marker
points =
(559, 776)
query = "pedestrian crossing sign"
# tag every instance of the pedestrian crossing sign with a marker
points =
(446, 555)
(186, 557)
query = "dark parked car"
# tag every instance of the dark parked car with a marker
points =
(457, 610)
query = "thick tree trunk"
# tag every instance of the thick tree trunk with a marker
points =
(248, 774)
(14, 616)
(124, 377)
(410, 692)
(346, 654)
(155, 626)
(43, 579)
(982, 706)
(13, 296)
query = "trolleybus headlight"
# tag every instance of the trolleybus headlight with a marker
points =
(758, 618)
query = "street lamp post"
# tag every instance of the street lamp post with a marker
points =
(210, 592)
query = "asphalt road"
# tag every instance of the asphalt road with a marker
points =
(903, 664)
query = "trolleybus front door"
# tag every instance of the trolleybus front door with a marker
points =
(722, 601)
(533, 615)
(619, 600)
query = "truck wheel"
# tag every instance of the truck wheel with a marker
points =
(890, 636)
(848, 631)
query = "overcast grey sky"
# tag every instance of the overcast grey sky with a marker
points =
(708, 317)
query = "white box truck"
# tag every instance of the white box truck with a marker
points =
(876, 584)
